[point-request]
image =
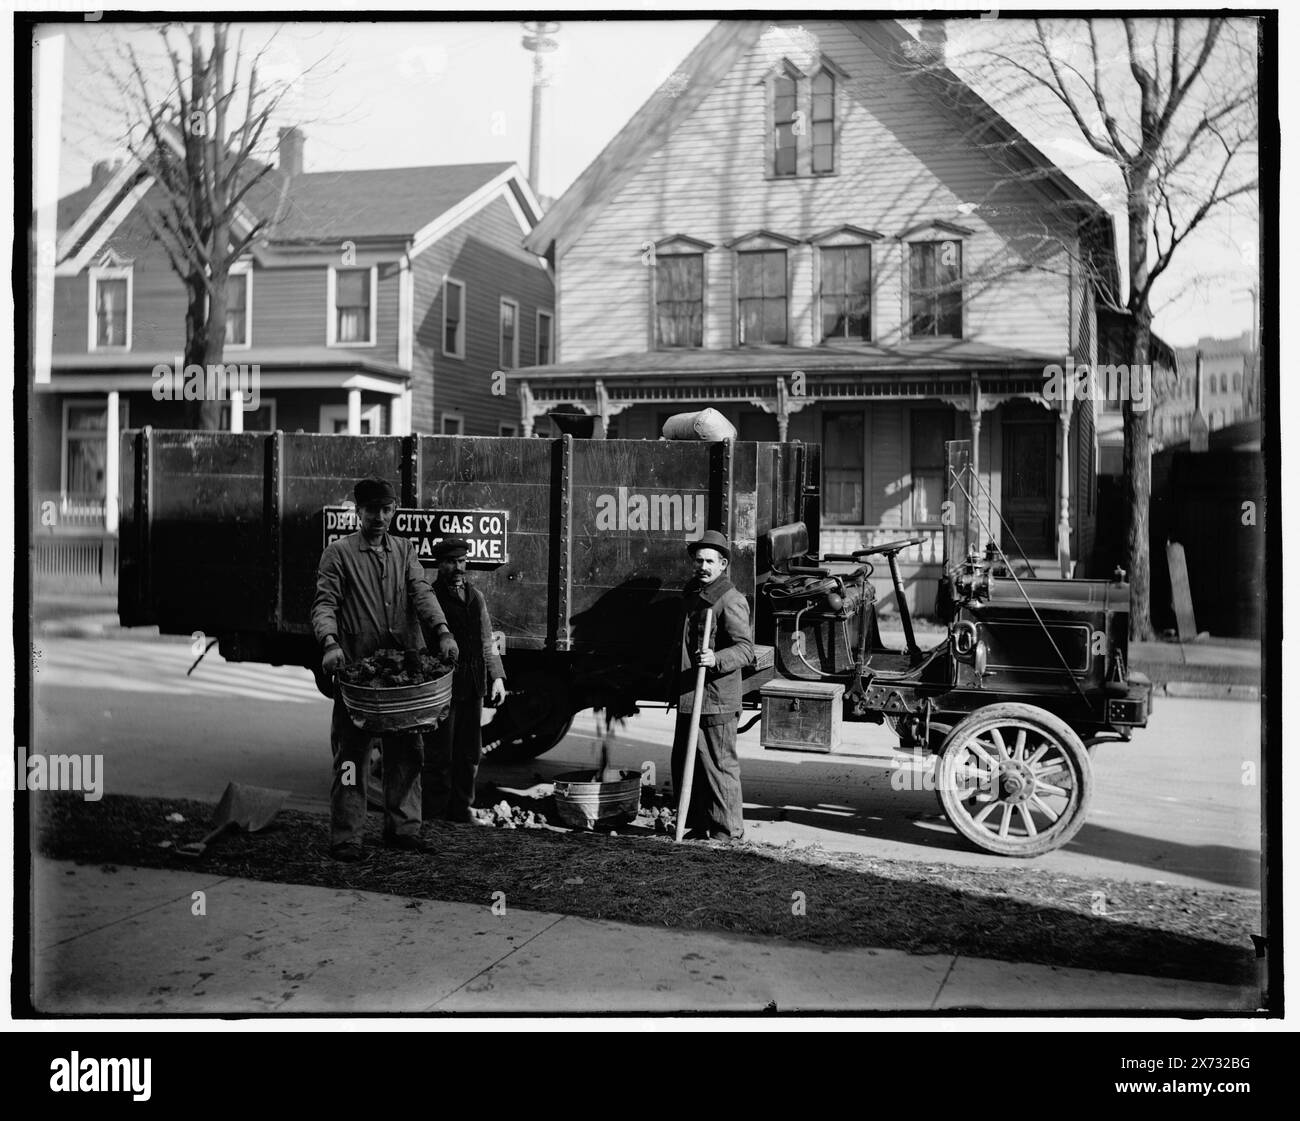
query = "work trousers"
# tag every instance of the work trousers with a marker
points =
(452, 753)
(402, 759)
(717, 807)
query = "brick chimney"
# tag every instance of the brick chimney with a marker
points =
(291, 145)
(934, 41)
(102, 171)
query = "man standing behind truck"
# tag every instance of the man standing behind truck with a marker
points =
(454, 748)
(371, 594)
(717, 807)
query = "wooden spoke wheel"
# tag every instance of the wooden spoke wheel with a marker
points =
(1015, 780)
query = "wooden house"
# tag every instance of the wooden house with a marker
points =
(817, 229)
(376, 301)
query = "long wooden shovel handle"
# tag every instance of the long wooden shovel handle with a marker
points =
(693, 736)
(198, 848)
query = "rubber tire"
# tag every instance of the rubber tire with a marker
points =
(1043, 724)
(528, 747)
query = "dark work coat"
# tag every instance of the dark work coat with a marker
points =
(373, 599)
(732, 640)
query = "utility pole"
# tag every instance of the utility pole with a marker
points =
(538, 40)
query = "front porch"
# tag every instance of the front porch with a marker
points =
(882, 426)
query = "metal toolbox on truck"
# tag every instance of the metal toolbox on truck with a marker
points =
(802, 715)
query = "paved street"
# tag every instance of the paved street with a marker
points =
(1171, 806)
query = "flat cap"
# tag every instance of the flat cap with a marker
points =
(373, 490)
(451, 548)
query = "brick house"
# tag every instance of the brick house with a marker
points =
(379, 301)
(809, 231)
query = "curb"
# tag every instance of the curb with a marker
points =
(1205, 690)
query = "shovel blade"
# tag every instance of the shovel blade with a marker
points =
(249, 808)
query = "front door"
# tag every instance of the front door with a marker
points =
(1029, 485)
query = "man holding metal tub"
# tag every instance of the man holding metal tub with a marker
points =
(371, 594)
(716, 805)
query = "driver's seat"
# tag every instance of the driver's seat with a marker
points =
(788, 546)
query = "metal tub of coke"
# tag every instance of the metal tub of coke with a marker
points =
(397, 691)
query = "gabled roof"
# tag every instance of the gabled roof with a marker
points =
(389, 202)
(710, 61)
(328, 206)
(648, 129)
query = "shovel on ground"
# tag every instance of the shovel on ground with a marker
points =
(241, 807)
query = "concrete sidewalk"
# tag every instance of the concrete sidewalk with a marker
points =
(129, 942)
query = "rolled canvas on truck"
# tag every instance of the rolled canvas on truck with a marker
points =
(707, 424)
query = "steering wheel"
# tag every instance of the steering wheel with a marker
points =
(888, 547)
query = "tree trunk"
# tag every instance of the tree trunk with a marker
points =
(196, 341)
(1137, 422)
(214, 353)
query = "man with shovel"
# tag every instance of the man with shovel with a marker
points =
(716, 805)
(371, 594)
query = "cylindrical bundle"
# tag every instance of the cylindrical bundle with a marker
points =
(707, 424)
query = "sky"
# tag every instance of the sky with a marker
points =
(376, 95)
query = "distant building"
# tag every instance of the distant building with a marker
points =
(1230, 394)
(377, 301)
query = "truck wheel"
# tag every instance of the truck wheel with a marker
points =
(1015, 780)
(528, 746)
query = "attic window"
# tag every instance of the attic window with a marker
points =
(787, 123)
(823, 122)
(802, 120)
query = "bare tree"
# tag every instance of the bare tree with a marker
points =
(198, 141)
(1173, 104)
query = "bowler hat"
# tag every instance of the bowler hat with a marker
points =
(710, 539)
(373, 490)
(451, 548)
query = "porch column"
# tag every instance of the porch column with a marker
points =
(1063, 525)
(236, 411)
(525, 409)
(354, 412)
(112, 447)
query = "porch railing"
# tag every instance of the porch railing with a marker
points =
(847, 538)
(55, 511)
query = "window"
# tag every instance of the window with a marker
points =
(1236, 381)
(823, 122)
(239, 297)
(453, 318)
(352, 307)
(85, 450)
(844, 467)
(334, 419)
(846, 292)
(785, 103)
(761, 297)
(545, 331)
(453, 424)
(110, 308)
(801, 119)
(679, 300)
(509, 334)
(260, 419)
(931, 428)
(934, 289)
(504, 429)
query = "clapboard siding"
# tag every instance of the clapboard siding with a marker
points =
(289, 303)
(904, 159)
(486, 254)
